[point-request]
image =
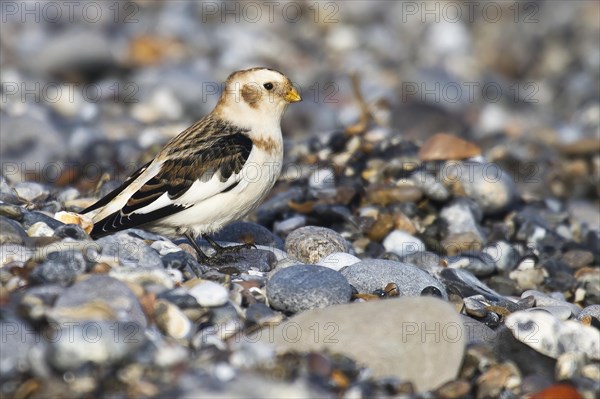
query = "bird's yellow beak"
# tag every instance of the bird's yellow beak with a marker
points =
(292, 96)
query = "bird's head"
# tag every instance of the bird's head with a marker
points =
(256, 93)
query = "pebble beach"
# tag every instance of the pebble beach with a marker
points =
(435, 231)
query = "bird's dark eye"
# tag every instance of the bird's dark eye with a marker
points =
(268, 86)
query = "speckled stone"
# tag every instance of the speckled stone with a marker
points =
(310, 244)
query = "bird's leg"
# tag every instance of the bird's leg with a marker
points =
(202, 257)
(222, 250)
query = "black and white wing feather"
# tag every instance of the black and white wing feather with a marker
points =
(205, 160)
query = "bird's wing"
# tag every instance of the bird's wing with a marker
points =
(110, 196)
(197, 168)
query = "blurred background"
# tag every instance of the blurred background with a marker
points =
(90, 87)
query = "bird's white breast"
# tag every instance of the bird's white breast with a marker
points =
(209, 214)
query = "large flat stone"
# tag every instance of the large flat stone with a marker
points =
(419, 339)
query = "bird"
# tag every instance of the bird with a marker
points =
(214, 172)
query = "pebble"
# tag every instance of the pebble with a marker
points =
(560, 312)
(385, 195)
(372, 274)
(10, 253)
(8, 197)
(431, 186)
(528, 275)
(466, 284)
(171, 320)
(578, 258)
(145, 276)
(338, 260)
(209, 294)
(477, 332)
(96, 342)
(310, 244)
(592, 312)
(443, 146)
(32, 192)
(82, 221)
(551, 336)
(59, 268)
(11, 232)
(302, 287)
(402, 243)
(349, 330)
(40, 229)
(30, 218)
(485, 183)
(426, 260)
(288, 225)
(569, 365)
(503, 254)
(544, 300)
(126, 250)
(16, 346)
(245, 260)
(71, 231)
(322, 179)
(261, 314)
(10, 211)
(462, 216)
(68, 195)
(107, 290)
(164, 247)
(278, 204)
(478, 263)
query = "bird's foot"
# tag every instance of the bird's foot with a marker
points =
(221, 253)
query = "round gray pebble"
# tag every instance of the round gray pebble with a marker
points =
(310, 244)
(372, 274)
(303, 287)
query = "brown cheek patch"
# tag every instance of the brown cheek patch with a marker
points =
(251, 94)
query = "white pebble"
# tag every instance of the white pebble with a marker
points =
(401, 243)
(338, 260)
(209, 293)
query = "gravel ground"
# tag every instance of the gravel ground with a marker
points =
(435, 231)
